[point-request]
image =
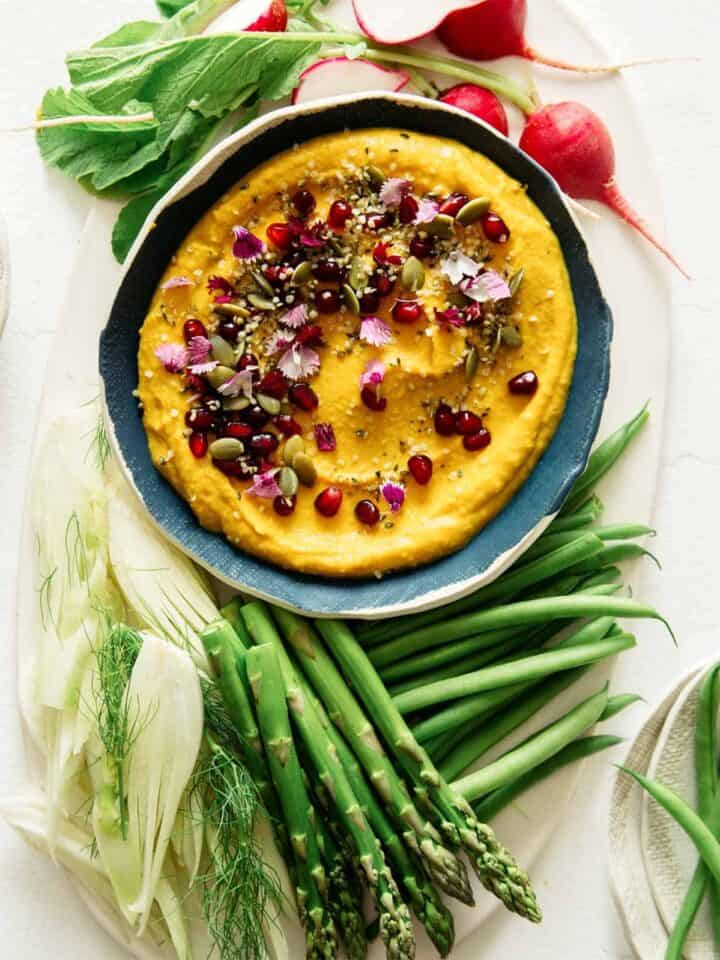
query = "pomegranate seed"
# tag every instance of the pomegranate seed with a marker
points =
(369, 303)
(197, 384)
(421, 247)
(378, 221)
(303, 396)
(193, 328)
(240, 431)
(327, 301)
(310, 336)
(495, 228)
(198, 444)
(421, 467)
(263, 444)
(328, 501)
(294, 258)
(242, 468)
(280, 235)
(372, 399)
(382, 283)
(453, 204)
(287, 426)
(228, 331)
(407, 311)
(276, 274)
(304, 203)
(328, 270)
(445, 420)
(247, 360)
(468, 423)
(339, 214)
(255, 416)
(284, 506)
(477, 441)
(200, 419)
(367, 512)
(273, 384)
(407, 211)
(524, 384)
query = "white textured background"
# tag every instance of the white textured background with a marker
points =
(44, 212)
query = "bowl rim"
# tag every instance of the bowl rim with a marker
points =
(196, 178)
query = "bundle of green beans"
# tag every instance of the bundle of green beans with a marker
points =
(701, 825)
(366, 749)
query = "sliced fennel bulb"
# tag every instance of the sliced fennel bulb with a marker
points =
(167, 592)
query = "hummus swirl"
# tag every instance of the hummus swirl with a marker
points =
(425, 364)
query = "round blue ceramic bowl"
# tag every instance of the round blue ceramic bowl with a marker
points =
(532, 507)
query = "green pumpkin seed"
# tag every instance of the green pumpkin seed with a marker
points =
(226, 448)
(350, 298)
(270, 405)
(515, 280)
(293, 446)
(235, 404)
(473, 210)
(510, 336)
(357, 274)
(442, 226)
(263, 283)
(287, 480)
(375, 176)
(302, 273)
(219, 376)
(472, 362)
(260, 303)
(305, 469)
(222, 351)
(231, 310)
(412, 276)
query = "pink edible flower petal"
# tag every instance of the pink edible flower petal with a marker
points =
(394, 494)
(375, 331)
(373, 374)
(487, 286)
(299, 362)
(457, 266)
(280, 340)
(451, 317)
(393, 190)
(325, 437)
(246, 245)
(216, 282)
(241, 382)
(175, 282)
(173, 356)
(224, 298)
(264, 485)
(199, 354)
(296, 317)
(427, 211)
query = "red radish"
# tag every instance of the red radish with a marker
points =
(392, 21)
(478, 101)
(256, 15)
(341, 75)
(496, 28)
(573, 144)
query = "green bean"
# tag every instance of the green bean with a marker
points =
(602, 459)
(616, 553)
(605, 575)
(587, 513)
(521, 613)
(496, 801)
(528, 755)
(686, 818)
(504, 588)
(482, 704)
(476, 742)
(618, 703)
(505, 674)
(618, 531)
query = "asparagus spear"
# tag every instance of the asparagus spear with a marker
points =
(266, 681)
(444, 867)
(495, 867)
(396, 928)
